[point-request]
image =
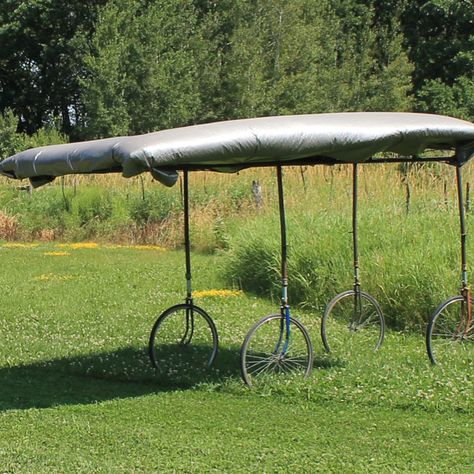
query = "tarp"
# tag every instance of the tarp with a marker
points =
(236, 144)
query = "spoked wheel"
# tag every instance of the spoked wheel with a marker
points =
(265, 353)
(449, 335)
(183, 340)
(352, 326)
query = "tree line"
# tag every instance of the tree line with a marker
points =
(97, 68)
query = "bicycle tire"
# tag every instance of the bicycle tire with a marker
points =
(367, 333)
(447, 339)
(172, 337)
(257, 359)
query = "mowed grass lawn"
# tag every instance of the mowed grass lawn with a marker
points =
(77, 393)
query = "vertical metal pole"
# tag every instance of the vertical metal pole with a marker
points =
(355, 244)
(285, 308)
(462, 221)
(284, 264)
(187, 244)
(468, 197)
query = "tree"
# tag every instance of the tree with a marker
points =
(143, 71)
(456, 100)
(12, 142)
(313, 56)
(41, 46)
(440, 40)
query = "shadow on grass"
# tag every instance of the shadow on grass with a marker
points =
(328, 361)
(104, 376)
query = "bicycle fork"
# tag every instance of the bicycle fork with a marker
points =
(356, 321)
(189, 329)
(285, 332)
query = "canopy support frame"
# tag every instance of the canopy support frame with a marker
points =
(311, 161)
(284, 247)
(466, 293)
(355, 243)
(187, 240)
(462, 227)
(285, 325)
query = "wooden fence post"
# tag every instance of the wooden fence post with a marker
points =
(408, 198)
(257, 193)
(445, 191)
(302, 172)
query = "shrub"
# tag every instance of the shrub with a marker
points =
(154, 207)
(93, 205)
(8, 227)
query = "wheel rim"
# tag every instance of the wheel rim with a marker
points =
(263, 357)
(183, 341)
(451, 340)
(351, 328)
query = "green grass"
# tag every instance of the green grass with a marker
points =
(77, 393)
(212, 432)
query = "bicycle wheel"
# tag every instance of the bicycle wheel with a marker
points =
(349, 328)
(449, 339)
(183, 340)
(263, 355)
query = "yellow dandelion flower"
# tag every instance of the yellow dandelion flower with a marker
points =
(84, 245)
(79, 245)
(148, 247)
(44, 277)
(19, 245)
(137, 247)
(117, 246)
(56, 254)
(217, 293)
(52, 277)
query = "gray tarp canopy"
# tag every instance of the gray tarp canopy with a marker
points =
(237, 144)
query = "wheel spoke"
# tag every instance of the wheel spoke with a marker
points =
(296, 360)
(293, 364)
(252, 356)
(263, 369)
(258, 364)
(445, 335)
(367, 321)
